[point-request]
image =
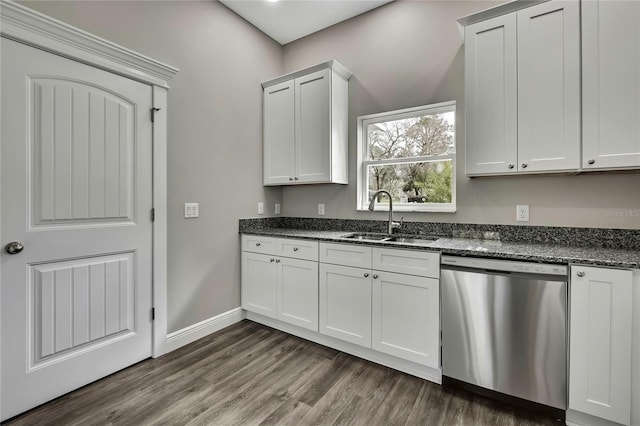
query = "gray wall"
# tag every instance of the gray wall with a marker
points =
(409, 53)
(403, 54)
(215, 133)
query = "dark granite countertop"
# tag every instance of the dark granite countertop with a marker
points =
(532, 252)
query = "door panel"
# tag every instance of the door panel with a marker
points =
(76, 188)
(279, 133)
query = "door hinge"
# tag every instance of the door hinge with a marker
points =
(153, 314)
(153, 114)
(153, 214)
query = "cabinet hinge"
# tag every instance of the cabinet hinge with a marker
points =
(153, 314)
(153, 114)
(153, 214)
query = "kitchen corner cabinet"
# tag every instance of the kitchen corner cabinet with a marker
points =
(611, 84)
(522, 89)
(600, 342)
(305, 126)
(280, 279)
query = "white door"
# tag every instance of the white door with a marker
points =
(549, 87)
(491, 96)
(313, 126)
(345, 303)
(76, 193)
(278, 133)
(600, 342)
(610, 84)
(259, 277)
(298, 292)
(406, 317)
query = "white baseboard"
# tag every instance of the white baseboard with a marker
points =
(199, 330)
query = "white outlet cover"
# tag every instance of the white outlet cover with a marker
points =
(522, 213)
(191, 210)
(260, 208)
(276, 209)
(321, 209)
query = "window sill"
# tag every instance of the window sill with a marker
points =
(410, 209)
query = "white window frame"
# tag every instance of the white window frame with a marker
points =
(363, 149)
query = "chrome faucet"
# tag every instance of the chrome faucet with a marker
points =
(372, 204)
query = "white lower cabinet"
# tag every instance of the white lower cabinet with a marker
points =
(276, 284)
(259, 284)
(601, 336)
(390, 312)
(406, 317)
(345, 303)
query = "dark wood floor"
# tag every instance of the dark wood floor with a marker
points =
(249, 374)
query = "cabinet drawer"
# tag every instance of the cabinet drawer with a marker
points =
(260, 244)
(346, 254)
(298, 249)
(412, 262)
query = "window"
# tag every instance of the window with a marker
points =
(412, 154)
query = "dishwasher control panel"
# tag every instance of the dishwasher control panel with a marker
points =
(505, 265)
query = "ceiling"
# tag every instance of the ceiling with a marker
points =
(288, 20)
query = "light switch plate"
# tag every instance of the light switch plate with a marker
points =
(191, 210)
(276, 209)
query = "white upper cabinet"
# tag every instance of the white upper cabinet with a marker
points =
(306, 126)
(611, 84)
(549, 87)
(491, 91)
(522, 91)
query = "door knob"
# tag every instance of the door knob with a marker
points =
(14, 247)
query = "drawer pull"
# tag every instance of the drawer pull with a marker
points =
(271, 260)
(581, 274)
(277, 260)
(375, 276)
(295, 249)
(257, 244)
(366, 274)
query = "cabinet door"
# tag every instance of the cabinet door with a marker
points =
(278, 134)
(298, 292)
(600, 343)
(259, 284)
(313, 126)
(491, 96)
(549, 87)
(611, 84)
(406, 317)
(345, 303)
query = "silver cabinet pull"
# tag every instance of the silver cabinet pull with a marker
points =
(295, 249)
(511, 166)
(14, 247)
(296, 178)
(257, 244)
(277, 260)
(581, 274)
(271, 260)
(290, 178)
(524, 165)
(375, 276)
(592, 161)
(366, 274)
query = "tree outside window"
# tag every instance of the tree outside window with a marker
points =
(411, 154)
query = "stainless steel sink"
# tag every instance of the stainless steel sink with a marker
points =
(386, 238)
(423, 241)
(367, 236)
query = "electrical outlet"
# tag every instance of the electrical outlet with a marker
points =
(321, 209)
(276, 210)
(191, 210)
(522, 213)
(260, 208)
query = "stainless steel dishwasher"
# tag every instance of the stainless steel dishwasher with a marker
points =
(504, 327)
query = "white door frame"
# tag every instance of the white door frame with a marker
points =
(27, 26)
